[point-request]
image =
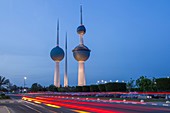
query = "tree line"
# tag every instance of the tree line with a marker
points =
(92, 88)
(143, 84)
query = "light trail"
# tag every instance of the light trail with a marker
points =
(71, 106)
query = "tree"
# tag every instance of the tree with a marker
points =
(86, 88)
(52, 88)
(153, 85)
(130, 84)
(114, 86)
(163, 84)
(94, 88)
(79, 88)
(14, 88)
(144, 83)
(102, 87)
(3, 82)
(36, 87)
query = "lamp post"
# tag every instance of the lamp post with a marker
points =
(24, 81)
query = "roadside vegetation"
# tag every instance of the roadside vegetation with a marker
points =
(131, 90)
(3, 96)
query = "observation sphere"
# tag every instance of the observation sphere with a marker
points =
(81, 30)
(81, 53)
(57, 54)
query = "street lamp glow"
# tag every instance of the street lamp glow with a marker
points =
(123, 81)
(25, 78)
(117, 80)
(102, 81)
(110, 80)
(105, 82)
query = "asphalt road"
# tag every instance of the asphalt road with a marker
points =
(16, 105)
(20, 106)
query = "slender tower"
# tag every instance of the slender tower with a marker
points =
(57, 54)
(81, 53)
(65, 72)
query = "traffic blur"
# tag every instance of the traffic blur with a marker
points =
(93, 105)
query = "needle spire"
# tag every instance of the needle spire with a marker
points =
(58, 32)
(81, 17)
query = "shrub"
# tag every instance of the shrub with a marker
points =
(86, 88)
(102, 87)
(79, 88)
(94, 88)
(115, 86)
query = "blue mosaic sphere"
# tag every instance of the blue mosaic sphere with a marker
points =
(81, 30)
(81, 53)
(57, 54)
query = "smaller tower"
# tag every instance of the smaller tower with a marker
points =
(57, 54)
(81, 53)
(65, 72)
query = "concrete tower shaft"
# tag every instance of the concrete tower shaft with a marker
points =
(57, 75)
(81, 74)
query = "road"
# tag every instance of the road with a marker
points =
(20, 106)
(69, 105)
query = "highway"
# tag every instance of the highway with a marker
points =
(58, 104)
(20, 106)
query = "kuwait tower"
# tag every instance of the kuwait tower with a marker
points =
(57, 54)
(81, 53)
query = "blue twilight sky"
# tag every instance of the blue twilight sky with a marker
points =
(127, 38)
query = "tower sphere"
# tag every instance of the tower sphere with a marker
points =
(57, 54)
(81, 30)
(81, 53)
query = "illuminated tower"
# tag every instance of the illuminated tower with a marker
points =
(81, 53)
(57, 54)
(65, 72)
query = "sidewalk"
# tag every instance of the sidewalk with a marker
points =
(4, 109)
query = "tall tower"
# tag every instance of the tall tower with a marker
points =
(57, 54)
(65, 72)
(81, 53)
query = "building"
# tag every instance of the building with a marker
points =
(57, 54)
(81, 53)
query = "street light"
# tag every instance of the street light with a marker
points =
(24, 84)
(24, 81)
(98, 82)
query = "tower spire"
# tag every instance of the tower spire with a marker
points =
(81, 17)
(66, 42)
(65, 73)
(58, 32)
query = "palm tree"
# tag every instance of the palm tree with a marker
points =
(3, 82)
